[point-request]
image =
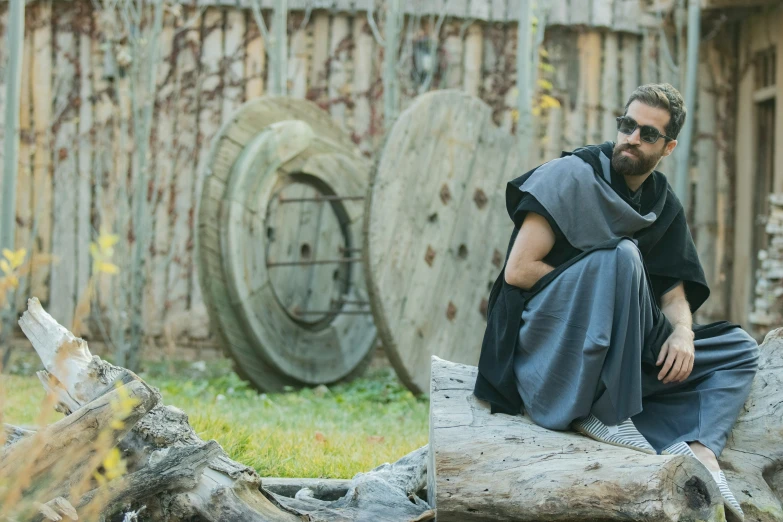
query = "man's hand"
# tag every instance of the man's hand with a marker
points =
(678, 352)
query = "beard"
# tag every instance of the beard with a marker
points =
(636, 166)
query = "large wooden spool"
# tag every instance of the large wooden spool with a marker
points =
(436, 231)
(278, 236)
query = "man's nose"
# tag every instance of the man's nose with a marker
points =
(634, 137)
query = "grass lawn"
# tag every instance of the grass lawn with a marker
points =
(330, 433)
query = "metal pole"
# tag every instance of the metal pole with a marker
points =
(11, 144)
(682, 183)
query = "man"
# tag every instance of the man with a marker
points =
(589, 324)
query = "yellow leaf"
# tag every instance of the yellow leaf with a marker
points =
(107, 241)
(113, 464)
(117, 424)
(108, 268)
(4, 266)
(94, 252)
(545, 84)
(549, 102)
(515, 115)
(16, 258)
(13, 281)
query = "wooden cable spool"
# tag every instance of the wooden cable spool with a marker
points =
(279, 226)
(436, 231)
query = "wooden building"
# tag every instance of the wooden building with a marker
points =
(78, 135)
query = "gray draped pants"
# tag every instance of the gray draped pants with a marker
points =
(580, 351)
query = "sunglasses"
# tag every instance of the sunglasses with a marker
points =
(647, 133)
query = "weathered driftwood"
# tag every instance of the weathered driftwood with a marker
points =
(175, 474)
(501, 467)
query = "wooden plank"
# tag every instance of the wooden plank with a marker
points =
(340, 43)
(630, 70)
(610, 95)
(24, 188)
(558, 13)
(102, 147)
(590, 82)
(479, 9)
(742, 278)
(602, 13)
(119, 187)
(362, 80)
(84, 188)
(705, 212)
(452, 77)
(498, 10)
(255, 60)
(507, 61)
(579, 13)
(63, 275)
(233, 61)
(554, 133)
(474, 50)
(162, 170)
(298, 59)
(3, 74)
(320, 61)
(627, 14)
(575, 133)
(41, 81)
(648, 62)
(181, 267)
(778, 180)
(208, 119)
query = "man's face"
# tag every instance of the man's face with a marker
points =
(631, 155)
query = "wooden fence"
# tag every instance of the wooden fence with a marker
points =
(77, 137)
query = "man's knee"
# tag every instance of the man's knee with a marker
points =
(748, 348)
(629, 253)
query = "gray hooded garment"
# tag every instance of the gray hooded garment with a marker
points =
(589, 334)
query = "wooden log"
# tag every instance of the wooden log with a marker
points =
(191, 478)
(502, 467)
(84, 437)
(322, 489)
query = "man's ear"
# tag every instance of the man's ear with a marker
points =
(669, 147)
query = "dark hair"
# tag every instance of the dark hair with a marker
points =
(663, 96)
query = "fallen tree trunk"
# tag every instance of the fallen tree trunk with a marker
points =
(173, 473)
(502, 467)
